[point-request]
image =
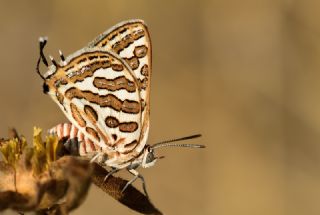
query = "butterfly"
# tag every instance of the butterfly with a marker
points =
(104, 90)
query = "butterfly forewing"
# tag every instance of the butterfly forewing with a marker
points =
(98, 93)
(131, 41)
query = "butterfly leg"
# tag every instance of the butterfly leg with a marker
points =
(114, 170)
(136, 175)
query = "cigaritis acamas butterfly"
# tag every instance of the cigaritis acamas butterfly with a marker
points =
(104, 90)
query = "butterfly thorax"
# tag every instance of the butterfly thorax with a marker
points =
(145, 158)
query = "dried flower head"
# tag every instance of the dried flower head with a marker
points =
(34, 179)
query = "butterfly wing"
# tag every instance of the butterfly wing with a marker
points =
(130, 40)
(99, 95)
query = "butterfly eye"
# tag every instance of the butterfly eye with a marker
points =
(150, 157)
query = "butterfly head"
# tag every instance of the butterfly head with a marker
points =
(149, 157)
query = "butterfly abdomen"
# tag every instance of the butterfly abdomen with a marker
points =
(74, 140)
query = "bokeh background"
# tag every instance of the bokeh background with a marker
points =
(245, 74)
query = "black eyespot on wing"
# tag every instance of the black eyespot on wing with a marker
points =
(45, 88)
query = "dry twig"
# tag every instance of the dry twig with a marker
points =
(131, 197)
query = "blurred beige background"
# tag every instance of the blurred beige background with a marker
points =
(245, 74)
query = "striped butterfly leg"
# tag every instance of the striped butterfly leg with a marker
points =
(136, 175)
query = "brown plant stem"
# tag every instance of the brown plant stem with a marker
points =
(131, 197)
